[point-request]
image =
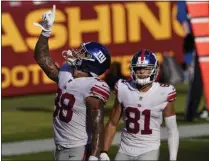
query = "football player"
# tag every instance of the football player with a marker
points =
(141, 102)
(81, 95)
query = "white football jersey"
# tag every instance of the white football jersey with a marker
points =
(142, 115)
(70, 119)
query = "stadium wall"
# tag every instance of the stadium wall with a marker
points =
(123, 27)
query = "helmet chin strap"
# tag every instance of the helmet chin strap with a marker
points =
(93, 74)
(77, 67)
(143, 81)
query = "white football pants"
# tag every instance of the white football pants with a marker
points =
(151, 155)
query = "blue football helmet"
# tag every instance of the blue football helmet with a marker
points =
(144, 59)
(90, 57)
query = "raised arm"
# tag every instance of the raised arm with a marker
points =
(41, 53)
(95, 110)
(44, 60)
(173, 134)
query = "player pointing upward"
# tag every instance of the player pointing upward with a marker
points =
(141, 102)
(81, 95)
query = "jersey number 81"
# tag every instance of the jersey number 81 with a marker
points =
(134, 120)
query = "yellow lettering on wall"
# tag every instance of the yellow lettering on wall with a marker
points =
(60, 37)
(25, 76)
(159, 57)
(12, 36)
(31, 73)
(7, 80)
(175, 23)
(126, 59)
(34, 73)
(126, 65)
(59, 30)
(78, 26)
(140, 12)
(46, 79)
(119, 23)
(116, 59)
(35, 69)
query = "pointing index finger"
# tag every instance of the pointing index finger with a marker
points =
(54, 10)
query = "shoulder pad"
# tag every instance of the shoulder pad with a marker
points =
(100, 89)
(171, 93)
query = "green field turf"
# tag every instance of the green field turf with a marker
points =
(189, 150)
(30, 117)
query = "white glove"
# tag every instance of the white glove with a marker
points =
(91, 157)
(104, 156)
(48, 20)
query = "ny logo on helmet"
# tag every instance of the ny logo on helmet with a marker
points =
(100, 57)
(142, 60)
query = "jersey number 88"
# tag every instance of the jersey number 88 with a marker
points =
(61, 98)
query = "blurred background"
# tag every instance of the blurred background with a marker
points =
(177, 32)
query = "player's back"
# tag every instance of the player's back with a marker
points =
(142, 115)
(71, 128)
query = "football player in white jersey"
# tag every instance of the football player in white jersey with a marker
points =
(81, 95)
(141, 102)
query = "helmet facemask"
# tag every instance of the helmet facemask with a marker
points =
(73, 55)
(76, 58)
(146, 78)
